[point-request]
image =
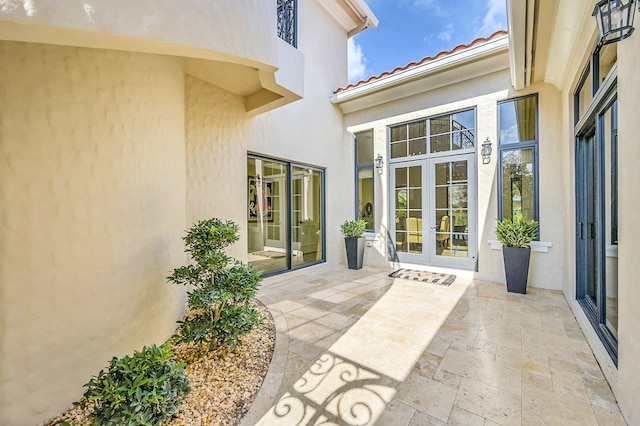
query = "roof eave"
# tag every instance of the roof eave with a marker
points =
(471, 54)
(520, 23)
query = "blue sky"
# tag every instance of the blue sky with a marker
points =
(409, 30)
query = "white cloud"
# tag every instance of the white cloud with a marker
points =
(446, 33)
(495, 18)
(357, 62)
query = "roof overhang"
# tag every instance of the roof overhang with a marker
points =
(475, 61)
(544, 36)
(353, 15)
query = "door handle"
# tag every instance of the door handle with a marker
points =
(433, 227)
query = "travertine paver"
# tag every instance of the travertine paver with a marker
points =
(360, 348)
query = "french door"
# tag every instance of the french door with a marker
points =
(597, 223)
(434, 206)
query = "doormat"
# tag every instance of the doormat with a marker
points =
(423, 276)
(270, 253)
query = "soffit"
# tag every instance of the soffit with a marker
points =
(353, 15)
(235, 78)
(557, 29)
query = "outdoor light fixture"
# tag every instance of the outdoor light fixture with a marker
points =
(379, 162)
(486, 151)
(614, 19)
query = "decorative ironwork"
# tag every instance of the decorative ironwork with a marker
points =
(287, 21)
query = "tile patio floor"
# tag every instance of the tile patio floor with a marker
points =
(360, 348)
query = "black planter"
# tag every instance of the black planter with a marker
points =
(516, 268)
(355, 252)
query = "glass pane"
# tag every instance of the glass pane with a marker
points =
(607, 57)
(401, 242)
(584, 95)
(440, 143)
(399, 133)
(442, 197)
(398, 150)
(401, 177)
(459, 196)
(459, 171)
(307, 241)
(517, 180)
(517, 120)
(364, 146)
(267, 218)
(365, 196)
(609, 125)
(442, 173)
(415, 198)
(408, 209)
(415, 177)
(464, 120)
(401, 200)
(418, 130)
(418, 147)
(440, 125)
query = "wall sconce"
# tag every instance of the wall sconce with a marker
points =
(486, 151)
(379, 162)
(614, 19)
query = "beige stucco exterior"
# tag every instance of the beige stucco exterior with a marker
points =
(92, 171)
(564, 43)
(482, 93)
(115, 138)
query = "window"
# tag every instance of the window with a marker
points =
(285, 211)
(597, 195)
(287, 21)
(364, 178)
(451, 132)
(518, 153)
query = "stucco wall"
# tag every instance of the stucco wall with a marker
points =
(629, 231)
(195, 28)
(219, 136)
(92, 189)
(482, 93)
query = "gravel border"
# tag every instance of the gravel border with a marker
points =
(224, 383)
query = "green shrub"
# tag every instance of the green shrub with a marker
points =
(221, 288)
(516, 233)
(144, 389)
(353, 228)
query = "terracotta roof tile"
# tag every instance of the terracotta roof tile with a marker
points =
(424, 60)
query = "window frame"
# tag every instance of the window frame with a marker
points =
(289, 239)
(534, 144)
(362, 166)
(427, 120)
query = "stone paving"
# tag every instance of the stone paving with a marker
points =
(360, 348)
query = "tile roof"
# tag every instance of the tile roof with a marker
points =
(425, 60)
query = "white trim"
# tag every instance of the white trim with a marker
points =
(537, 246)
(451, 60)
(517, 24)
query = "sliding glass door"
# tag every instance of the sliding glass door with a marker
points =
(285, 214)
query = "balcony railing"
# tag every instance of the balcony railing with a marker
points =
(287, 21)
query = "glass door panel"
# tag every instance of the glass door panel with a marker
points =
(408, 183)
(307, 216)
(452, 216)
(267, 218)
(597, 225)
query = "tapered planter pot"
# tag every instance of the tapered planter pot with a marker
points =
(355, 252)
(516, 268)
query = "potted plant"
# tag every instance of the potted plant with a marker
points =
(353, 241)
(516, 236)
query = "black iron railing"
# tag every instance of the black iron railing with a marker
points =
(287, 21)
